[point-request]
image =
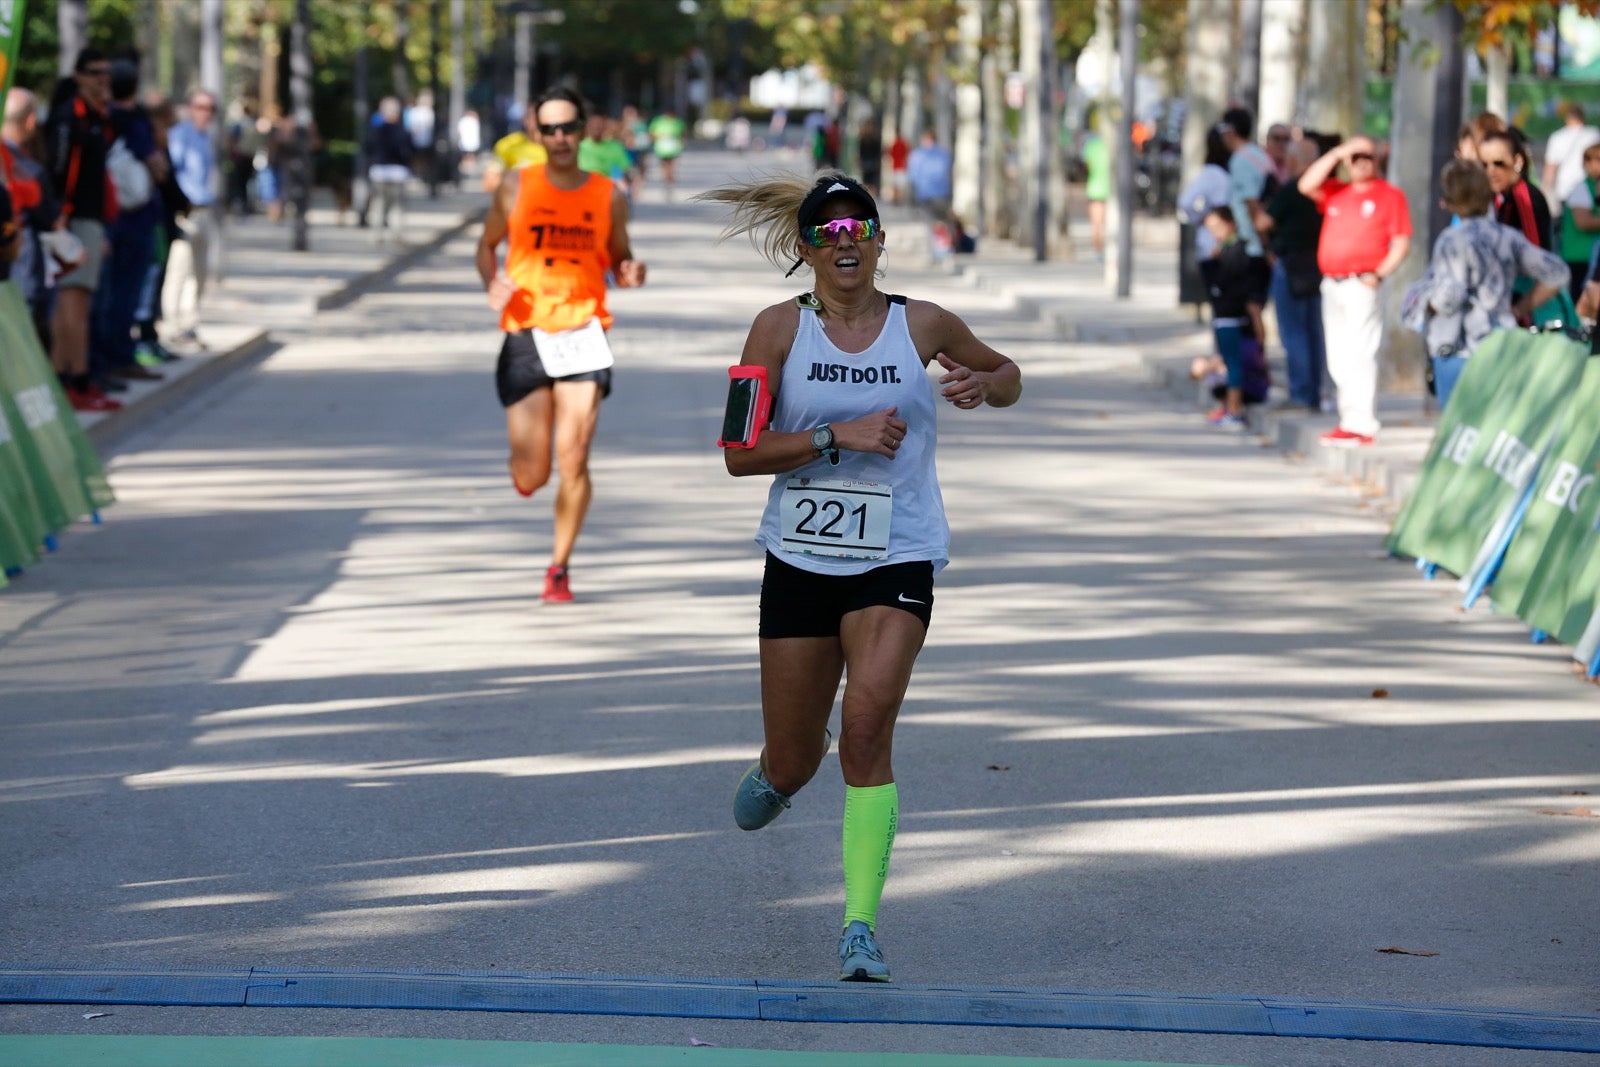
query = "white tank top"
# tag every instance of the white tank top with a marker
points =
(821, 383)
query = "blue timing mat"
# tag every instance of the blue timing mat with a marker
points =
(757, 1000)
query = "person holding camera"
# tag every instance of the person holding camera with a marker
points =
(564, 228)
(854, 528)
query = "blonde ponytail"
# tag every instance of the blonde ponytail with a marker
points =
(766, 208)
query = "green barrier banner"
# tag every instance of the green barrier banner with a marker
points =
(1488, 446)
(1533, 582)
(11, 19)
(22, 525)
(63, 470)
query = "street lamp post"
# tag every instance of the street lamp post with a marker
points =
(1128, 46)
(528, 14)
(300, 100)
(360, 192)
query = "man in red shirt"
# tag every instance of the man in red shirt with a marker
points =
(899, 152)
(1366, 232)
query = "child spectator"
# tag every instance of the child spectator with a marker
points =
(1236, 282)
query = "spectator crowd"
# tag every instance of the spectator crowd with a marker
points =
(1307, 224)
(106, 207)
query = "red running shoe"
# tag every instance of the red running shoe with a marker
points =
(556, 589)
(91, 399)
(1343, 438)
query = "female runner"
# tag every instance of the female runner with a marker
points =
(854, 526)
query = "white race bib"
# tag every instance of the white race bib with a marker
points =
(573, 351)
(836, 517)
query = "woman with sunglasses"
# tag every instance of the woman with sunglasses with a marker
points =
(854, 527)
(1517, 203)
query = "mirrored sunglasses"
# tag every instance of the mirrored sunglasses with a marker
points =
(568, 128)
(829, 233)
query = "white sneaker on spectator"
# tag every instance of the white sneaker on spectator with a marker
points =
(187, 341)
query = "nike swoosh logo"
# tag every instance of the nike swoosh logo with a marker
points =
(907, 600)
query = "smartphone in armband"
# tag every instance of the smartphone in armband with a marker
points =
(749, 407)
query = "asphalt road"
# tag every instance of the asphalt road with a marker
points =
(296, 703)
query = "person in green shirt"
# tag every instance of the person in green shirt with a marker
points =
(1097, 184)
(666, 141)
(601, 153)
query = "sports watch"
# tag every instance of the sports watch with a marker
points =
(822, 441)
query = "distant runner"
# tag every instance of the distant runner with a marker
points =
(565, 228)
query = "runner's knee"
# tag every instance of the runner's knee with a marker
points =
(864, 738)
(531, 472)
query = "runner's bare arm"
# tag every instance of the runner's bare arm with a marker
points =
(629, 271)
(975, 373)
(496, 227)
(775, 453)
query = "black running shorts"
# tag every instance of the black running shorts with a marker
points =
(797, 603)
(520, 372)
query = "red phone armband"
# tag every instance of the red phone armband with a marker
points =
(749, 407)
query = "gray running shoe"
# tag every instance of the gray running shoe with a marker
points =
(755, 802)
(860, 958)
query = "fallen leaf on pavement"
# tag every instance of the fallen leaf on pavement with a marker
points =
(1396, 950)
(1577, 813)
(1380, 694)
(999, 766)
(1575, 793)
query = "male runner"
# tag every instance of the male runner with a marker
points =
(564, 229)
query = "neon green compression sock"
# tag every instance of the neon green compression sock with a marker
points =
(871, 815)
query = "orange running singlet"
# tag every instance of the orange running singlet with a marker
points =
(558, 253)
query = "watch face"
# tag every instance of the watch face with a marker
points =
(822, 438)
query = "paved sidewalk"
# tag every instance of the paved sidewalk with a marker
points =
(265, 285)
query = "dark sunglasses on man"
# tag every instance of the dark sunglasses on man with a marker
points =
(568, 128)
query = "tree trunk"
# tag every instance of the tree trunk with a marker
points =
(1030, 143)
(458, 69)
(1128, 54)
(211, 43)
(1052, 174)
(399, 64)
(147, 37)
(967, 185)
(1247, 91)
(435, 160)
(911, 121)
(522, 51)
(1497, 80)
(300, 95)
(1210, 52)
(72, 24)
(1283, 25)
(995, 61)
(1108, 124)
(360, 194)
(211, 80)
(271, 48)
(1412, 168)
(184, 26)
(1338, 105)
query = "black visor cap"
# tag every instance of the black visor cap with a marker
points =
(830, 186)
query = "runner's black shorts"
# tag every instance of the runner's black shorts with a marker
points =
(520, 371)
(797, 603)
